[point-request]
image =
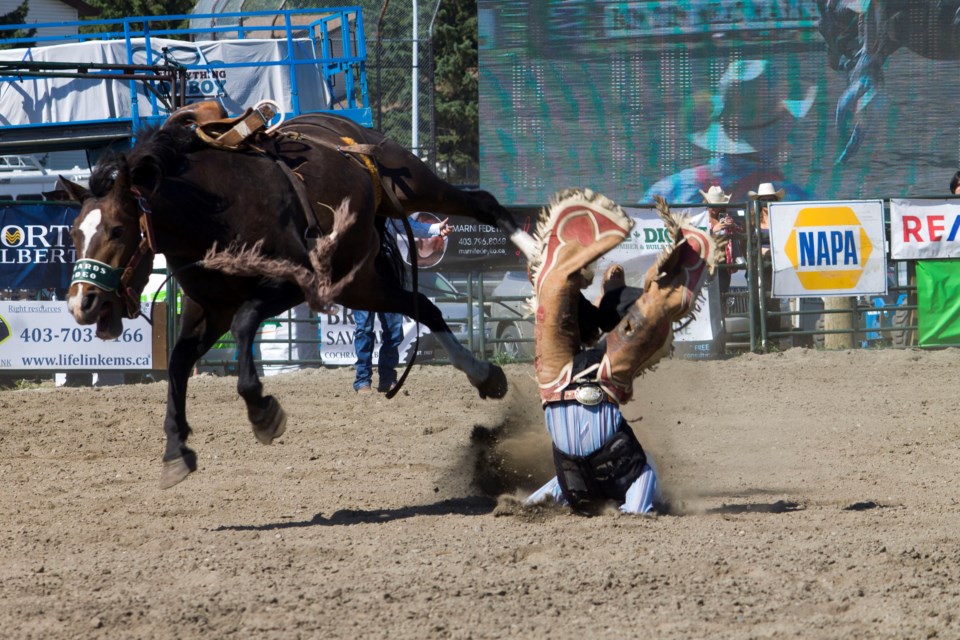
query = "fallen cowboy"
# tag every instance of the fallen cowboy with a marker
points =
(587, 355)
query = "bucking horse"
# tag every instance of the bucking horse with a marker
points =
(253, 221)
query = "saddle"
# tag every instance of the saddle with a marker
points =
(232, 133)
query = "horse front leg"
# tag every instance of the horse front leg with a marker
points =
(266, 416)
(197, 335)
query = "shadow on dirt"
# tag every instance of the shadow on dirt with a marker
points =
(470, 506)
(780, 506)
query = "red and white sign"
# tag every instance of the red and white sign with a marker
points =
(924, 229)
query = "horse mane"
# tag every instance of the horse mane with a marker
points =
(157, 152)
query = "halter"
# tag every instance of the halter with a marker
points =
(118, 279)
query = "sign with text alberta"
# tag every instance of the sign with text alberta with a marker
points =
(828, 248)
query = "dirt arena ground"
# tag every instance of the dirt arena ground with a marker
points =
(814, 495)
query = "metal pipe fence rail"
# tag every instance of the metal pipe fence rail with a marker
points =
(492, 320)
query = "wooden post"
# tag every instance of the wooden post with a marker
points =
(160, 336)
(838, 321)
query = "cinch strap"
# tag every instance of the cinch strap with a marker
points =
(100, 275)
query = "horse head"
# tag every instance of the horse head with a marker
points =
(114, 249)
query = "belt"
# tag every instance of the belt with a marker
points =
(586, 394)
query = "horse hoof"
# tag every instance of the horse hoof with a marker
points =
(271, 423)
(174, 471)
(495, 385)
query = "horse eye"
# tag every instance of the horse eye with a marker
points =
(116, 233)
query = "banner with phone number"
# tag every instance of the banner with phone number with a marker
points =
(43, 336)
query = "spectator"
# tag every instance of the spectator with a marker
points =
(955, 184)
(722, 224)
(391, 324)
(764, 195)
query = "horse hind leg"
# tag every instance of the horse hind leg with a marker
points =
(420, 189)
(486, 377)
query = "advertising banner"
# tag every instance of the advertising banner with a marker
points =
(924, 229)
(336, 335)
(471, 246)
(43, 336)
(36, 251)
(828, 248)
(938, 303)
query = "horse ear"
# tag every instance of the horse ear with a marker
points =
(146, 176)
(71, 190)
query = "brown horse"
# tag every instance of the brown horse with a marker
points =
(861, 34)
(252, 232)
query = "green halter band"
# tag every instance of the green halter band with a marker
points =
(100, 275)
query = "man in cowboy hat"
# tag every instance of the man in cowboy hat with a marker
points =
(765, 194)
(583, 380)
(722, 224)
(749, 116)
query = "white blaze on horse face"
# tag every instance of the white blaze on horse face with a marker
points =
(88, 228)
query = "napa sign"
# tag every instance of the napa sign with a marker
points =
(828, 248)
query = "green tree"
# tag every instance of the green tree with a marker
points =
(456, 82)
(115, 9)
(17, 16)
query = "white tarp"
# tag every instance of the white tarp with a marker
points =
(63, 100)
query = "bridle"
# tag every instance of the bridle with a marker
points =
(120, 279)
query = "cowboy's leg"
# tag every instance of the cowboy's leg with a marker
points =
(391, 325)
(363, 341)
(670, 290)
(576, 430)
(551, 490)
(644, 493)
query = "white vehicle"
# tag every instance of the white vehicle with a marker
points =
(24, 178)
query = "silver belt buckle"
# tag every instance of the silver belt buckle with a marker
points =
(589, 395)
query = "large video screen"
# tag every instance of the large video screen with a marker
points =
(824, 98)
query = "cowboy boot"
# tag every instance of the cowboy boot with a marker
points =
(579, 227)
(671, 287)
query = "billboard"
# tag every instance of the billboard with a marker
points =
(639, 98)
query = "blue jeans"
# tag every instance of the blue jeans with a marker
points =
(364, 339)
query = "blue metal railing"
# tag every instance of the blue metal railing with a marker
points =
(325, 53)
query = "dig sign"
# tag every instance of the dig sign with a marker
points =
(828, 248)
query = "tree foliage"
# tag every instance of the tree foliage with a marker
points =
(17, 16)
(457, 87)
(115, 9)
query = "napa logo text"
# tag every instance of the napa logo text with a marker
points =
(828, 248)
